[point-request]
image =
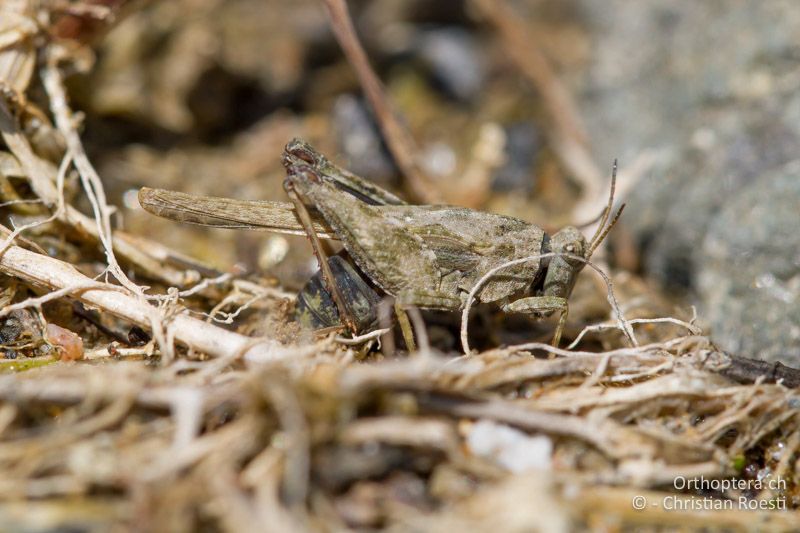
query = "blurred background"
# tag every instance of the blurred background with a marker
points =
(698, 101)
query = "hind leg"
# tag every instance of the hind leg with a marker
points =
(327, 275)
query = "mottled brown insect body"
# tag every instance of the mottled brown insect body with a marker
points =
(428, 256)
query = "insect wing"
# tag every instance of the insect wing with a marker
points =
(278, 217)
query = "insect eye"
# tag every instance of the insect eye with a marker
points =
(570, 248)
(301, 152)
(303, 155)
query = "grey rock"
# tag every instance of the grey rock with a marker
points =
(712, 88)
(750, 271)
(662, 70)
(702, 182)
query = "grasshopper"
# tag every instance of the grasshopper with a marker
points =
(428, 256)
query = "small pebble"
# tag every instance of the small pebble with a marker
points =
(510, 447)
(70, 344)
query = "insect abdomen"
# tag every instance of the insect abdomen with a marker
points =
(316, 309)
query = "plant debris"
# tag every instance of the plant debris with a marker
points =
(143, 387)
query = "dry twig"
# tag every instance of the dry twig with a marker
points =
(568, 136)
(397, 135)
(197, 334)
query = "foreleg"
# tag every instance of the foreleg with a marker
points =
(542, 306)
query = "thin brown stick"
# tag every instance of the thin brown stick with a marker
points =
(568, 136)
(398, 138)
(747, 370)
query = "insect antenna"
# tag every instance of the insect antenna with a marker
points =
(596, 242)
(607, 209)
(584, 225)
(602, 228)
